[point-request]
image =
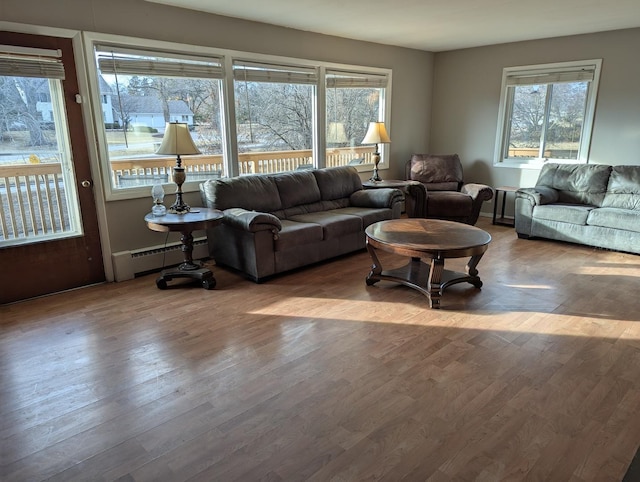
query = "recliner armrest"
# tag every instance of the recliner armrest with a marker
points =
(251, 221)
(478, 191)
(376, 198)
(538, 195)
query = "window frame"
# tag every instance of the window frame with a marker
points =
(541, 72)
(45, 65)
(228, 118)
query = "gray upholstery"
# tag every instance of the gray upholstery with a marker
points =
(447, 196)
(278, 222)
(596, 205)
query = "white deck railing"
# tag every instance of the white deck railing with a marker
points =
(32, 196)
(32, 201)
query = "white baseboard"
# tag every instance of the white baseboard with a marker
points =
(128, 264)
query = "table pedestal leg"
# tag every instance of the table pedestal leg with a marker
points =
(188, 269)
(429, 279)
(435, 282)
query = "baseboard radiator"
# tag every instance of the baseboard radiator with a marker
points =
(129, 264)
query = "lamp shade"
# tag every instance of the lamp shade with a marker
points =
(376, 134)
(177, 140)
(336, 133)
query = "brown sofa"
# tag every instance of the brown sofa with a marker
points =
(278, 222)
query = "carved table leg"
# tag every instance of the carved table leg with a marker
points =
(435, 278)
(187, 252)
(376, 267)
(473, 272)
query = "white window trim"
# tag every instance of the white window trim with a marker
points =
(585, 141)
(90, 39)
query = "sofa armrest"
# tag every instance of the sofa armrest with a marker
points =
(376, 198)
(480, 192)
(252, 221)
(538, 195)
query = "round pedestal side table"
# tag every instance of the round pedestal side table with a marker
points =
(194, 220)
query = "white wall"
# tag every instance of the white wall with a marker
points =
(467, 92)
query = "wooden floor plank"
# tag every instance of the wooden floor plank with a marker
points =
(316, 376)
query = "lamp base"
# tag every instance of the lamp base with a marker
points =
(376, 160)
(179, 207)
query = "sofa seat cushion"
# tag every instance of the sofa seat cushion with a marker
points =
(368, 215)
(297, 233)
(615, 218)
(333, 223)
(563, 213)
(448, 204)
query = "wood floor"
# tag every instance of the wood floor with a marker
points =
(315, 376)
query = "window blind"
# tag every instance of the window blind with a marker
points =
(537, 78)
(116, 60)
(265, 72)
(337, 79)
(27, 62)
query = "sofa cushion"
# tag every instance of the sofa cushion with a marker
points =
(429, 168)
(563, 213)
(297, 188)
(368, 215)
(334, 224)
(623, 190)
(296, 233)
(337, 182)
(448, 204)
(615, 218)
(254, 193)
(576, 183)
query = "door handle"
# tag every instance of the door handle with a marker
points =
(86, 183)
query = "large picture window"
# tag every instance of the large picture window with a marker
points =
(546, 113)
(141, 92)
(247, 113)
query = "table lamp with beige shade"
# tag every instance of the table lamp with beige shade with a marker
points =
(177, 141)
(376, 134)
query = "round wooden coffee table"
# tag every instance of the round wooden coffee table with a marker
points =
(431, 239)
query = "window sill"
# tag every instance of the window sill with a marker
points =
(534, 163)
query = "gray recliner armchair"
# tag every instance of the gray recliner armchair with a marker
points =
(447, 196)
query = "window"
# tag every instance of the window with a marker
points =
(353, 100)
(248, 113)
(37, 185)
(546, 113)
(274, 116)
(144, 91)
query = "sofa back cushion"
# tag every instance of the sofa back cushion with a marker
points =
(337, 182)
(297, 188)
(576, 183)
(623, 190)
(255, 193)
(440, 172)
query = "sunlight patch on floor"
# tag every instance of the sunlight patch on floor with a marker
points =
(491, 319)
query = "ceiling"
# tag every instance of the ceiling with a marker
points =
(432, 25)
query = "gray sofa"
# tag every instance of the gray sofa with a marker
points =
(595, 205)
(278, 222)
